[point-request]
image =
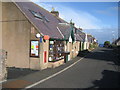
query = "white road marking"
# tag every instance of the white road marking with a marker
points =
(30, 86)
(3, 81)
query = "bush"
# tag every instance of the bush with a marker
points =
(106, 43)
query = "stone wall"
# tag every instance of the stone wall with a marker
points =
(3, 69)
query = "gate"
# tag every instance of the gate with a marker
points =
(3, 69)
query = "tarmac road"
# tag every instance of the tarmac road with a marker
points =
(98, 69)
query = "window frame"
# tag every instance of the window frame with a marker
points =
(38, 49)
(55, 52)
(35, 14)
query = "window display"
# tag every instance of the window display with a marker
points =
(34, 51)
(56, 50)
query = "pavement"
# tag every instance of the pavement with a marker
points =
(99, 69)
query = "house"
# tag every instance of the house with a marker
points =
(27, 29)
(90, 41)
(117, 42)
(84, 40)
(37, 39)
(31, 35)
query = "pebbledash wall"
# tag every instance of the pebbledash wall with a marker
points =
(16, 38)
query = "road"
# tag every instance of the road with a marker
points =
(97, 70)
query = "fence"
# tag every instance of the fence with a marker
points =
(3, 70)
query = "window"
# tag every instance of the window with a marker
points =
(56, 50)
(45, 18)
(36, 14)
(34, 48)
(39, 15)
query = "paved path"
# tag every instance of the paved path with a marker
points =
(98, 69)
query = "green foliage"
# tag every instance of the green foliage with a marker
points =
(106, 43)
(93, 45)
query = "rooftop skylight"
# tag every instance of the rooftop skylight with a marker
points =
(36, 14)
(46, 19)
(39, 15)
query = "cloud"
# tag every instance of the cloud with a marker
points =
(109, 11)
(45, 6)
(80, 18)
(85, 20)
(103, 34)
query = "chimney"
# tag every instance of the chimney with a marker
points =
(55, 13)
(71, 23)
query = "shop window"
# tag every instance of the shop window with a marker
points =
(34, 48)
(56, 50)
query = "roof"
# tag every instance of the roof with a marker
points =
(78, 37)
(45, 28)
(90, 38)
(46, 23)
(82, 35)
(65, 30)
(117, 40)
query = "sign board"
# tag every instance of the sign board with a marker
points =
(34, 52)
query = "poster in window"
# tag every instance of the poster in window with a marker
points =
(35, 48)
(51, 42)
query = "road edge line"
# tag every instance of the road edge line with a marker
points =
(32, 85)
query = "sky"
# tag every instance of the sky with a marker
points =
(97, 18)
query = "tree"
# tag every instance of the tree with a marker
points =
(107, 43)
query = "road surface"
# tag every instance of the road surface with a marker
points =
(98, 69)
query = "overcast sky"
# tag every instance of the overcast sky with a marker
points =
(97, 18)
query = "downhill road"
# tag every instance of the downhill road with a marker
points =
(98, 69)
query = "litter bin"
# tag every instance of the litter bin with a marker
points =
(66, 56)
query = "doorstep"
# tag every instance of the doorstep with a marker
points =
(55, 64)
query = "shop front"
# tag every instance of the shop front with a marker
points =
(57, 53)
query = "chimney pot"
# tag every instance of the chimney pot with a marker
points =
(55, 13)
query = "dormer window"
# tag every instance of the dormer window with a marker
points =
(36, 14)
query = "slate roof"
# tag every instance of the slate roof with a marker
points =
(78, 37)
(65, 30)
(117, 40)
(82, 35)
(90, 38)
(51, 27)
(45, 28)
